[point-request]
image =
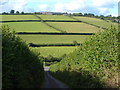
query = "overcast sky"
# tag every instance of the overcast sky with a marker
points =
(97, 7)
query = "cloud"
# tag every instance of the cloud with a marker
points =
(3, 2)
(43, 7)
(84, 6)
(8, 5)
(71, 6)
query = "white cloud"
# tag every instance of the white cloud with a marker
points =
(71, 6)
(19, 5)
(84, 6)
(8, 5)
(103, 10)
(43, 7)
(59, 7)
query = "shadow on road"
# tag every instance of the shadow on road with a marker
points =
(50, 82)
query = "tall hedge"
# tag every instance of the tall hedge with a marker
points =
(92, 65)
(21, 68)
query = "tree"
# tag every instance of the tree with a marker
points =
(75, 42)
(85, 14)
(12, 11)
(5, 13)
(17, 12)
(22, 12)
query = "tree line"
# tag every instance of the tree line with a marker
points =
(108, 17)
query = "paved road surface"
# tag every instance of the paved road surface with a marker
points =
(51, 82)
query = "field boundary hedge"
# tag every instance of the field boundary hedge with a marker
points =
(54, 33)
(47, 45)
(39, 21)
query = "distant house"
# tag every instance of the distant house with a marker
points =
(47, 13)
(117, 20)
(51, 13)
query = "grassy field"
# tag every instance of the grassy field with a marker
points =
(47, 39)
(18, 17)
(30, 27)
(54, 51)
(75, 27)
(70, 27)
(96, 21)
(55, 17)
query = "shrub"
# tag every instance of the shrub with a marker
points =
(22, 68)
(93, 65)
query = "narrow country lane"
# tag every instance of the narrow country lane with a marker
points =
(50, 82)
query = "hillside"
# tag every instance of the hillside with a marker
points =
(55, 24)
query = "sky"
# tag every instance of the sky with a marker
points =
(97, 7)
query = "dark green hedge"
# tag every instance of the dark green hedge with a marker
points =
(93, 65)
(22, 68)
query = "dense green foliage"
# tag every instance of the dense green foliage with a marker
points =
(95, 64)
(22, 68)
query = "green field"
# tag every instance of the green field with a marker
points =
(53, 39)
(54, 51)
(70, 27)
(30, 27)
(75, 27)
(95, 21)
(18, 17)
(55, 17)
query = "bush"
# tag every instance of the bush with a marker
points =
(93, 65)
(22, 68)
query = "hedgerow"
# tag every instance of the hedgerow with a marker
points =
(93, 65)
(21, 67)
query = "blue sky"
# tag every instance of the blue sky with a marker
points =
(97, 7)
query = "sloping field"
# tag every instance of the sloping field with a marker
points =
(75, 27)
(95, 21)
(54, 39)
(54, 51)
(18, 17)
(55, 17)
(30, 27)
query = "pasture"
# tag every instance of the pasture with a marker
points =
(18, 17)
(69, 27)
(30, 27)
(75, 27)
(54, 51)
(55, 17)
(95, 21)
(54, 39)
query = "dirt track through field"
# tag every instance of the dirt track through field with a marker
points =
(50, 82)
